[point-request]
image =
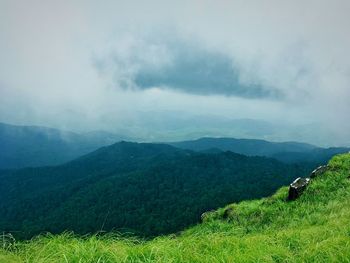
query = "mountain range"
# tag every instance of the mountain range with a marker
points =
(35, 146)
(289, 152)
(89, 183)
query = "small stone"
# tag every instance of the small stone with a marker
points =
(297, 187)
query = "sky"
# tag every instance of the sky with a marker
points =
(172, 70)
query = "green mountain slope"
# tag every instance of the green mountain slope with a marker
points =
(313, 228)
(140, 188)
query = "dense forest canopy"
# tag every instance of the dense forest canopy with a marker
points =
(138, 188)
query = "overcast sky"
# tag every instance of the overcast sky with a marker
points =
(153, 69)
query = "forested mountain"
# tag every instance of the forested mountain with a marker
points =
(313, 228)
(145, 189)
(142, 188)
(33, 146)
(290, 152)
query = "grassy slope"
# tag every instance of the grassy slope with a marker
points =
(314, 228)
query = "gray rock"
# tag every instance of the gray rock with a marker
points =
(319, 170)
(297, 187)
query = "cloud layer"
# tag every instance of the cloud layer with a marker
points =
(182, 65)
(124, 66)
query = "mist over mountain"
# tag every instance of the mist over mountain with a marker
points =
(128, 70)
(34, 146)
(244, 146)
(31, 146)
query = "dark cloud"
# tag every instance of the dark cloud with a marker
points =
(182, 65)
(202, 72)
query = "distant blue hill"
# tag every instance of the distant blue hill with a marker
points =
(290, 152)
(33, 146)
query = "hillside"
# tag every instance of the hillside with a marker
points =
(313, 228)
(33, 146)
(288, 152)
(140, 188)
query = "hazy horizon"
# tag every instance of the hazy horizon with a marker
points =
(166, 71)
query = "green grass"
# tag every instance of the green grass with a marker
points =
(314, 228)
